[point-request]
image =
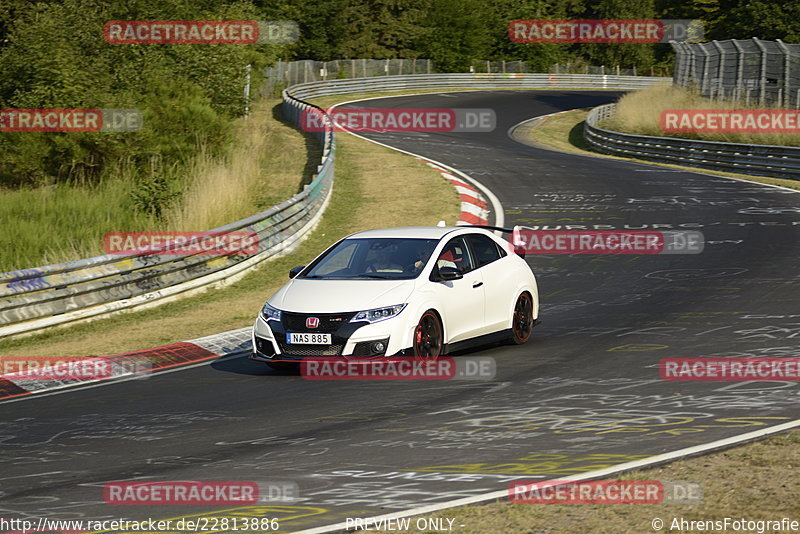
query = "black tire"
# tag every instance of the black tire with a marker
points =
(522, 321)
(428, 337)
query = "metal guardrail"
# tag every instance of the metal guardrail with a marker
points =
(34, 299)
(757, 160)
(436, 82)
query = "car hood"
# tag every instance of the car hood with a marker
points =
(337, 296)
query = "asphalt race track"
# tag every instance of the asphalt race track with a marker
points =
(583, 394)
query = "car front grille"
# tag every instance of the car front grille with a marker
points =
(311, 350)
(328, 322)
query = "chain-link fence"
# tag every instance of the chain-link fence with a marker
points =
(748, 71)
(286, 73)
(556, 68)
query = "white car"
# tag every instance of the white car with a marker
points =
(421, 291)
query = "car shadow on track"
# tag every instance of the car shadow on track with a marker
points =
(243, 366)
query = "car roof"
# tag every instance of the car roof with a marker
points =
(418, 232)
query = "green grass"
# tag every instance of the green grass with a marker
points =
(54, 223)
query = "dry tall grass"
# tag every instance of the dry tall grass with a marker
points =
(639, 113)
(253, 175)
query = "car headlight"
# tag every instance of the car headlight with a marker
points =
(377, 314)
(270, 314)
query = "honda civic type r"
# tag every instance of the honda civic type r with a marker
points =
(421, 291)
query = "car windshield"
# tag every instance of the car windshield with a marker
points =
(373, 258)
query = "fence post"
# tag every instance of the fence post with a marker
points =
(720, 71)
(763, 74)
(247, 92)
(706, 61)
(787, 92)
(688, 68)
(739, 70)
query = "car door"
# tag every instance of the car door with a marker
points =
(498, 284)
(461, 301)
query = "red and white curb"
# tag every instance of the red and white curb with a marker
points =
(474, 209)
(132, 365)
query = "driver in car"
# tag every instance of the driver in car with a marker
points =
(382, 262)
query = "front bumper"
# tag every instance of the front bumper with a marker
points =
(359, 339)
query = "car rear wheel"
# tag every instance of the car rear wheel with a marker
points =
(428, 337)
(522, 322)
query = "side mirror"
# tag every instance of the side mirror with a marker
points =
(449, 273)
(295, 271)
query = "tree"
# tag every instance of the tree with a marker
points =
(456, 33)
(639, 55)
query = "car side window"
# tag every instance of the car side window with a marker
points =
(456, 254)
(485, 249)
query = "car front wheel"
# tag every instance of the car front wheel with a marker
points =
(428, 337)
(522, 322)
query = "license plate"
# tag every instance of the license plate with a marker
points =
(307, 338)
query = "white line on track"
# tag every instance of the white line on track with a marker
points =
(599, 473)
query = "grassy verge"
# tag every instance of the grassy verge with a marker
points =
(374, 187)
(63, 222)
(251, 176)
(639, 112)
(757, 481)
(564, 132)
